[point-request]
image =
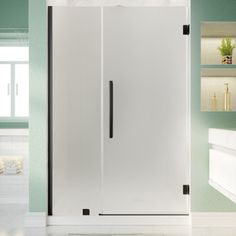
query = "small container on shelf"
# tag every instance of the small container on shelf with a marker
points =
(227, 59)
(214, 103)
(227, 98)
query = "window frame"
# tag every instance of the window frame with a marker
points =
(14, 38)
(12, 117)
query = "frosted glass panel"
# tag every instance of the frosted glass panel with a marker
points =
(22, 90)
(145, 164)
(76, 110)
(14, 53)
(5, 85)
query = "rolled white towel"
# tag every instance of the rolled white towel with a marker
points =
(12, 172)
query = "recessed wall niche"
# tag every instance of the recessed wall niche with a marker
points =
(218, 69)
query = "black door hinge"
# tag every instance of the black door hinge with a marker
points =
(86, 212)
(186, 189)
(186, 29)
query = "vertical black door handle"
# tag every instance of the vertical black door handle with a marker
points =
(110, 109)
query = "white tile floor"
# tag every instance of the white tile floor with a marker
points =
(12, 218)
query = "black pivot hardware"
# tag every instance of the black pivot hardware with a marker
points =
(86, 212)
(186, 29)
(186, 189)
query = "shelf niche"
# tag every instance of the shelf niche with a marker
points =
(214, 74)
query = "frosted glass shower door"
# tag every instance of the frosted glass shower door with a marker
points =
(76, 110)
(145, 162)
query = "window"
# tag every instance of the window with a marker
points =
(14, 81)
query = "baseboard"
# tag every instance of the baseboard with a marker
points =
(119, 220)
(213, 219)
(142, 224)
(35, 219)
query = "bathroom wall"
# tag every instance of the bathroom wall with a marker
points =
(204, 197)
(38, 105)
(13, 14)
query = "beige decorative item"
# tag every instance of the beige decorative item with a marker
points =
(226, 50)
(214, 103)
(227, 98)
(227, 59)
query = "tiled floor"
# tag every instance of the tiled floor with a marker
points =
(12, 217)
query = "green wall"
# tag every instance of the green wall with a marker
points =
(13, 125)
(38, 105)
(204, 197)
(13, 13)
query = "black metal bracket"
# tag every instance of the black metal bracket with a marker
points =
(186, 29)
(86, 212)
(186, 189)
